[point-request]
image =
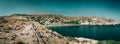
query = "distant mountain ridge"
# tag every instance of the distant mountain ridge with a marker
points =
(56, 19)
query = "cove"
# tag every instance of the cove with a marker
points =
(97, 32)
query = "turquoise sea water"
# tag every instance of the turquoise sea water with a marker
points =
(106, 32)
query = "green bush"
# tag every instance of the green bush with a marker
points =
(4, 21)
(75, 21)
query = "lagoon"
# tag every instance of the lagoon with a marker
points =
(97, 32)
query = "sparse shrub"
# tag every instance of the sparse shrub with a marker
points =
(20, 43)
(75, 21)
(89, 20)
(51, 21)
(4, 21)
(109, 42)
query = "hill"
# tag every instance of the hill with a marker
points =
(30, 32)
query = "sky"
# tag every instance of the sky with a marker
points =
(102, 8)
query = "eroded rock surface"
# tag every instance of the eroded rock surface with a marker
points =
(29, 32)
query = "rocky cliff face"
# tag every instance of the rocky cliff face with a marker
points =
(14, 31)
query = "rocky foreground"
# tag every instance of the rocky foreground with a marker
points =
(29, 32)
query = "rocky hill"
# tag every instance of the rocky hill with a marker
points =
(56, 19)
(14, 31)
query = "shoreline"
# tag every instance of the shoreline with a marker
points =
(83, 24)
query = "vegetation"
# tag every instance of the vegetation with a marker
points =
(4, 21)
(75, 21)
(19, 14)
(89, 20)
(109, 42)
(32, 17)
(72, 38)
(51, 21)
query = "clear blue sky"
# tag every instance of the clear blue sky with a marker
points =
(103, 8)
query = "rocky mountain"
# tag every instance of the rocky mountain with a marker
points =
(14, 31)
